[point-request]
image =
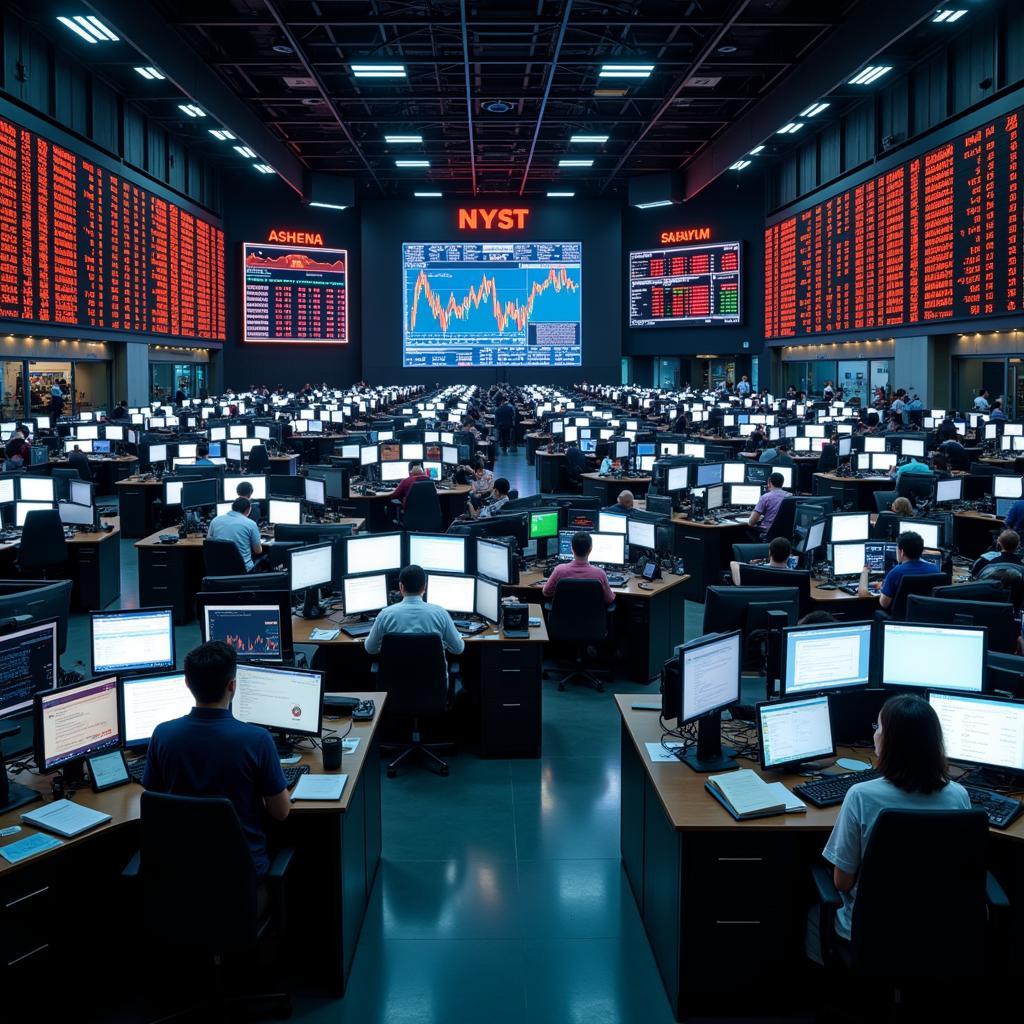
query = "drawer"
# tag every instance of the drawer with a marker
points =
(25, 914)
(510, 728)
(507, 655)
(516, 684)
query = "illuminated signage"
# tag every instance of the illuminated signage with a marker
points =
(504, 218)
(686, 235)
(296, 237)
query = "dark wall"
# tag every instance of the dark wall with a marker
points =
(254, 205)
(386, 225)
(733, 207)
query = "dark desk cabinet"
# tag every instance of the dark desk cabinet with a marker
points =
(138, 509)
(510, 699)
(97, 572)
(171, 576)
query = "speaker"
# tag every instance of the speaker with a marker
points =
(656, 190)
(331, 746)
(515, 620)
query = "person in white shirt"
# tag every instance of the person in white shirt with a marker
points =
(915, 777)
(981, 401)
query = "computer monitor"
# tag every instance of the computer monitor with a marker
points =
(377, 552)
(148, 701)
(949, 490)
(287, 701)
(139, 640)
(1007, 486)
(848, 558)
(744, 494)
(912, 446)
(697, 451)
(156, 453)
(1003, 506)
(36, 488)
(791, 732)
(882, 462)
(309, 567)
(434, 552)
(746, 608)
(494, 560)
(198, 494)
(929, 532)
(23, 508)
(677, 478)
(933, 657)
(80, 492)
(710, 682)
(172, 492)
(826, 657)
(315, 490)
(365, 594)
(850, 526)
(233, 450)
(608, 549)
(874, 444)
(6, 490)
(28, 665)
(814, 538)
(75, 721)
(612, 522)
(711, 473)
(733, 473)
(368, 455)
(258, 481)
(984, 731)
(392, 472)
(488, 599)
(252, 631)
(544, 523)
(457, 594)
(187, 451)
(642, 533)
(412, 451)
(280, 510)
(77, 515)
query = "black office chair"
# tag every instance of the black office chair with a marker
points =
(923, 888)
(998, 618)
(259, 459)
(922, 585)
(748, 552)
(785, 521)
(916, 486)
(767, 576)
(984, 469)
(222, 558)
(43, 552)
(61, 482)
(184, 905)
(422, 512)
(413, 670)
(578, 615)
(886, 525)
(978, 590)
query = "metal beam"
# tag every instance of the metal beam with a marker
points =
(469, 94)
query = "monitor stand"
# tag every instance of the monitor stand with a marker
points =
(311, 607)
(284, 744)
(710, 755)
(13, 794)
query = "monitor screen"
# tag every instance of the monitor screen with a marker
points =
(315, 490)
(815, 535)
(288, 700)
(392, 472)
(851, 526)
(454, 593)
(309, 566)
(641, 534)
(608, 549)
(954, 658)
(198, 493)
(147, 701)
(259, 487)
(234, 451)
(981, 730)
(133, 641)
(732, 473)
(80, 492)
(792, 731)
(543, 523)
(612, 522)
(826, 657)
(22, 509)
(75, 721)
(172, 491)
(565, 544)
(437, 552)
(158, 453)
(929, 532)
(1007, 486)
(696, 450)
(187, 451)
(76, 515)
(28, 665)
(677, 478)
(39, 488)
(949, 490)
(848, 558)
(710, 473)
(744, 494)
(363, 594)
(874, 444)
(250, 630)
(380, 552)
(412, 451)
(912, 446)
(280, 510)
(493, 560)
(711, 675)
(488, 599)
(1003, 506)
(368, 455)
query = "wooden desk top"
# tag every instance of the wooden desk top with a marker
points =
(624, 480)
(122, 803)
(691, 808)
(79, 538)
(62, 460)
(632, 587)
(455, 491)
(301, 629)
(195, 540)
(684, 520)
(857, 479)
(817, 594)
(135, 481)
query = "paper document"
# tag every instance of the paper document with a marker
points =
(28, 847)
(657, 753)
(350, 745)
(65, 817)
(319, 787)
(324, 634)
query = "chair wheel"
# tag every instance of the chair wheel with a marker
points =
(561, 687)
(392, 773)
(444, 769)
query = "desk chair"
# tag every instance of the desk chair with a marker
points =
(978, 590)
(209, 900)
(748, 552)
(785, 521)
(886, 526)
(43, 550)
(422, 512)
(766, 576)
(916, 486)
(259, 459)
(922, 890)
(922, 585)
(578, 615)
(412, 668)
(221, 558)
(61, 486)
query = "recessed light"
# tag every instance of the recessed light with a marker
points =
(428, 195)
(329, 206)
(814, 110)
(588, 138)
(267, 169)
(570, 162)
(412, 163)
(653, 205)
(727, 49)
(739, 165)
(282, 48)
(870, 74)
(561, 195)
(89, 28)
(221, 133)
(378, 70)
(791, 128)
(192, 110)
(756, 150)
(625, 70)
(150, 73)
(244, 151)
(497, 107)
(403, 138)
(949, 16)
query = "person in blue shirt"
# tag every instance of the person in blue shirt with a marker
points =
(414, 615)
(909, 547)
(237, 527)
(211, 753)
(997, 411)
(1015, 517)
(743, 388)
(203, 456)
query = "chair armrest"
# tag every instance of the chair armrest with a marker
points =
(133, 868)
(276, 882)
(828, 903)
(824, 888)
(995, 895)
(374, 668)
(281, 864)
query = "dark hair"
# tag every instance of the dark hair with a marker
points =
(479, 463)
(1009, 541)
(782, 446)
(241, 504)
(581, 543)
(413, 464)
(776, 479)
(780, 549)
(940, 461)
(1012, 582)
(413, 579)
(911, 544)
(502, 486)
(243, 489)
(202, 451)
(208, 670)
(817, 618)
(913, 756)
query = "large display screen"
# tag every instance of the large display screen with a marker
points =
(936, 238)
(81, 246)
(492, 303)
(295, 294)
(688, 284)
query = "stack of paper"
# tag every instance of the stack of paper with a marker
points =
(744, 794)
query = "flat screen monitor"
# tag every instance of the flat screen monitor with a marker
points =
(280, 510)
(642, 533)
(744, 494)
(981, 730)
(378, 552)
(437, 552)
(157, 453)
(494, 560)
(80, 492)
(449, 455)
(786, 472)
(28, 665)
(848, 558)
(252, 631)
(585, 518)
(6, 490)
(612, 522)
(392, 472)
(949, 490)
(76, 515)
(850, 526)
(930, 533)
(149, 701)
(608, 549)
(315, 490)
(285, 700)
(23, 508)
(310, 567)
(677, 478)
(75, 721)
(456, 594)
(132, 641)
(815, 536)
(710, 473)
(172, 491)
(543, 523)
(488, 599)
(933, 657)
(912, 446)
(350, 451)
(87, 433)
(695, 450)
(826, 657)
(794, 731)
(1007, 486)
(874, 444)
(187, 451)
(732, 473)
(364, 594)
(368, 455)
(198, 494)
(233, 450)
(710, 675)
(259, 486)
(37, 488)
(85, 447)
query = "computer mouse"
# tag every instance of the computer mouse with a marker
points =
(851, 764)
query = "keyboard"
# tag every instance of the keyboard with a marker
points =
(833, 788)
(292, 773)
(468, 627)
(357, 629)
(616, 579)
(1001, 810)
(136, 769)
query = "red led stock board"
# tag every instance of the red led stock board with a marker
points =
(935, 238)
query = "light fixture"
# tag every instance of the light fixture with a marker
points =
(652, 205)
(328, 206)
(267, 169)
(610, 93)
(791, 128)
(89, 28)
(403, 138)
(588, 138)
(572, 162)
(739, 165)
(949, 16)
(814, 109)
(412, 163)
(626, 70)
(756, 150)
(244, 151)
(192, 110)
(221, 133)
(378, 70)
(150, 73)
(561, 195)
(870, 74)
(428, 195)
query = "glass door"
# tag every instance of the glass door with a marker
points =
(48, 382)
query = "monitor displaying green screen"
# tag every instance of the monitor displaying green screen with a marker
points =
(543, 524)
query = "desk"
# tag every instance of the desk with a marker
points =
(972, 532)
(552, 472)
(724, 902)
(105, 471)
(285, 465)
(706, 550)
(648, 624)
(136, 499)
(374, 508)
(852, 490)
(843, 605)
(45, 908)
(534, 440)
(509, 672)
(607, 488)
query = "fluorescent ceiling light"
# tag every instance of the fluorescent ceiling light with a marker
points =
(378, 70)
(244, 151)
(561, 195)
(949, 16)
(91, 29)
(626, 70)
(428, 195)
(221, 133)
(739, 165)
(588, 138)
(791, 128)
(412, 163)
(149, 72)
(651, 206)
(814, 109)
(569, 162)
(756, 150)
(330, 206)
(267, 169)
(403, 138)
(98, 27)
(192, 110)
(870, 74)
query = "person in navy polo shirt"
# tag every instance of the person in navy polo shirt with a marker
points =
(909, 547)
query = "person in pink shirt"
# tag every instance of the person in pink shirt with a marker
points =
(579, 568)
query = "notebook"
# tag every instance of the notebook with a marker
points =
(30, 846)
(319, 787)
(744, 794)
(65, 817)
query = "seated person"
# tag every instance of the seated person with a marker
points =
(414, 615)
(209, 752)
(909, 547)
(1015, 516)
(579, 568)
(576, 460)
(779, 455)
(403, 487)
(1007, 551)
(499, 499)
(913, 468)
(767, 508)
(954, 455)
(902, 507)
(624, 504)
(481, 483)
(243, 489)
(237, 527)
(817, 618)
(779, 551)
(203, 456)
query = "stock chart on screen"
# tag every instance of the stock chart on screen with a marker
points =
(252, 632)
(492, 303)
(688, 284)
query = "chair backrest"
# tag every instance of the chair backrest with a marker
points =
(999, 619)
(222, 558)
(785, 520)
(920, 893)
(977, 590)
(923, 584)
(42, 540)
(578, 612)
(982, 469)
(60, 482)
(259, 459)
(915, 486)
(886, 526)
(413, 670)
(206, 901)
(422, 508)
(748, 552)
(766, 576)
